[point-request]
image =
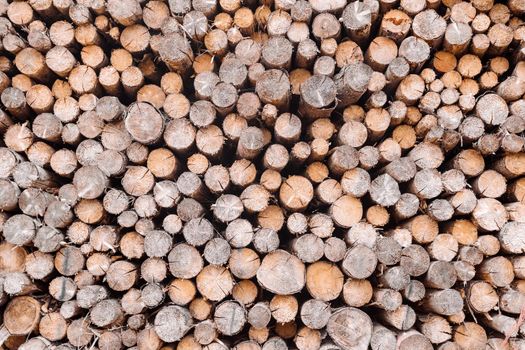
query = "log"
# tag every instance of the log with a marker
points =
(21, 317)
(402, 318)
(285, 278)
(277, 53)
(317, 96)
(304, 170)
(344, 205)
(350, 328)
(324, 281)
(351, 83)
(470, 335)
(172, 322)
(230, 317)
(363, 254)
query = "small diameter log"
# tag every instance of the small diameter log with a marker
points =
(457, 37)
(172, 322)
(413, 339)
(387, 299)
(306, 53)
(121, 275)
(15, 102)
(326, 26)
(501, 323)
(351, 83)
(441, 275)
(445, 302)
(470, 334)
(176, 53)
(53, 326)
(273, 86)
(277, 53)
(498, 275)
(362, 233)
(403, 318)
(135, 122)
(244, 263)
(251, 142)
(416, 51)
(318, 95)
(384, 190)
(380, 53)
(357, 19)
(382, 338)
(32, 63)
(367, 258)
(315, 313)
(481, 296)
(214, 282)
(341, 207)
(230, 318)
(342, 159)
(436, 329)
(414, 260)
(296, 193)
(324, 281)
(388, 251)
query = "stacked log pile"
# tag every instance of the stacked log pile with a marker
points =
(262, 174)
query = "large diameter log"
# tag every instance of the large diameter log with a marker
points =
(350, 328)
(282, 273)
(21, 317)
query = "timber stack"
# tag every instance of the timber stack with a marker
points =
(262, 174)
